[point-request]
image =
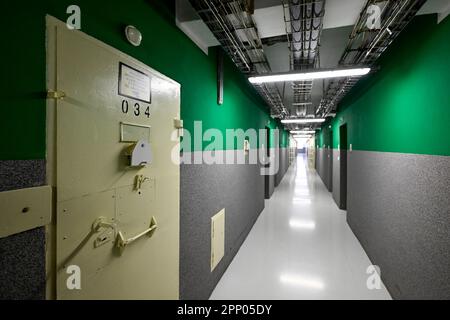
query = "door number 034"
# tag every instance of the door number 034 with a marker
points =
(135, 108)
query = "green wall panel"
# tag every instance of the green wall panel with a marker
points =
(405, 106)
(164, 48)
(323, 136)
(284, 139)
(22, 81)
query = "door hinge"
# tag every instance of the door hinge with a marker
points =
(57, 95)
(178, 123)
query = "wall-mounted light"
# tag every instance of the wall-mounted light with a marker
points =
(134, 36)
(310, 75)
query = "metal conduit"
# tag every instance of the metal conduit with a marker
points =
(304, 25)
(236, 31)
(365, 46)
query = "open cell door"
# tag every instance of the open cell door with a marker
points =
(117, 203)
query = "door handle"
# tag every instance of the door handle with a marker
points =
(122, 243)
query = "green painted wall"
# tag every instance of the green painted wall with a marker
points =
(405, 106)
(323, 136)
(165, 48)
(284, 139)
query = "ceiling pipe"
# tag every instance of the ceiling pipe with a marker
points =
(365, 46)
(233, 26)
(304, 25)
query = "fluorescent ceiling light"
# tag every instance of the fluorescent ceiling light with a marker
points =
(302, 103)
(302, 137)
(303, 121)
(302, 132)
(311, 75)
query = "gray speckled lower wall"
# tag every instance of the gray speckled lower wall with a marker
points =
(329, 170)
(337, 177)
(269, 186)
(284, 165)
(339, 183)
(270, 180)
(205, 190)
(22, 256)
(399, 208)
(319, 162)
(323, 165)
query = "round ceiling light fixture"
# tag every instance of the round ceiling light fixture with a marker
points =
(134, 36)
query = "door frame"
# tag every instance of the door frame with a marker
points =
(51, 75)
(330, 161)
(267, 158)
(343, 154)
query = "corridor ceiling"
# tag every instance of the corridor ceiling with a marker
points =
(269, 18)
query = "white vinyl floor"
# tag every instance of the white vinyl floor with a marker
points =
(301, 247)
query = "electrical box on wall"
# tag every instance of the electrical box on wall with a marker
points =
(217, 238)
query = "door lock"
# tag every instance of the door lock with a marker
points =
(102, 223)
(109, 234)
(140, 180)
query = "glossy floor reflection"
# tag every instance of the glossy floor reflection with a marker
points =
(301, 247)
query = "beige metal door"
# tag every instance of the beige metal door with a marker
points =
(119, 224)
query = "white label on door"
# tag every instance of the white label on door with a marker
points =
(134, 84)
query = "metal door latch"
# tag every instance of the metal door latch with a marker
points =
(122, 242)
(102, 223)
(107, 235)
